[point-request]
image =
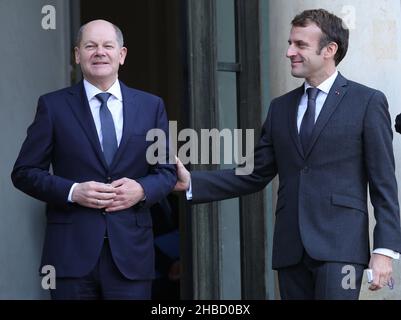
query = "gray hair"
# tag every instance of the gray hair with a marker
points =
(119, 35)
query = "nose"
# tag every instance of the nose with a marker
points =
(291, 52)
(99, 50)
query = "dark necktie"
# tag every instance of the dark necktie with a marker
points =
(308, 120)
(108, 130)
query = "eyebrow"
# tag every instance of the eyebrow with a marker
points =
(93, 42)
(298, 42)
(89, 42)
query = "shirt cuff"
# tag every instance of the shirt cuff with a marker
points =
(387, 252)
(71, 191)
(189, 191)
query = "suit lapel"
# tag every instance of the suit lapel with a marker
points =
(130, 110)
(333, 99)
(292, 118)
(79, 104)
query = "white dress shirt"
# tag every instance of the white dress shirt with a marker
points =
(115, 105)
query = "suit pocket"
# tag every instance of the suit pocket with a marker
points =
(349, 202)
(143, 219)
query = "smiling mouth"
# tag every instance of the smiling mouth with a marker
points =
(295, 64)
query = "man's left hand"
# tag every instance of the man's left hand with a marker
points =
(382, 267)
(128, 193)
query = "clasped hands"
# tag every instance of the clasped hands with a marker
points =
(119, 195)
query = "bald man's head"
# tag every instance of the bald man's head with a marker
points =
(100, 53)
(96, 23)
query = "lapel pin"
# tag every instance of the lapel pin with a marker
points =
(337, 92)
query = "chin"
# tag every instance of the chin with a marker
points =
(101, 74)
(296, 74)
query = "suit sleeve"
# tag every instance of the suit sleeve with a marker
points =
(225, 184)
(162, 176)
(31, 169)
(379, 161)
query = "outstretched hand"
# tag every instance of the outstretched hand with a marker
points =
(183, 175)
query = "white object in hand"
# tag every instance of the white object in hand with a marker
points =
(369, 273)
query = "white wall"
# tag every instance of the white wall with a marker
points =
(373, 58)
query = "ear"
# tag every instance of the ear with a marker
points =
(123, 54)
(77, 55)
(330, 50)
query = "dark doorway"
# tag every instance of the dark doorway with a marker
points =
(155, 35)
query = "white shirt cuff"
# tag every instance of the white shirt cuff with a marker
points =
(387, 252)
(71, 191)
(189, 191)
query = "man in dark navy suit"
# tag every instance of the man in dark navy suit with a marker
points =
(99, 228)
(327, 140)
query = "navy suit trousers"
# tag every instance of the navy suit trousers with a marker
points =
(105, 281)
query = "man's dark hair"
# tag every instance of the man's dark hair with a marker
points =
(332, 27)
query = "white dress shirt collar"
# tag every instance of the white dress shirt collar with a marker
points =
(92, 91)
(326, 85)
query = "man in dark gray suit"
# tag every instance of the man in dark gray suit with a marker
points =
(328, 141)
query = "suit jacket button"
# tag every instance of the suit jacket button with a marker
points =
(104, 213)
(305, 170)
(108, 179)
